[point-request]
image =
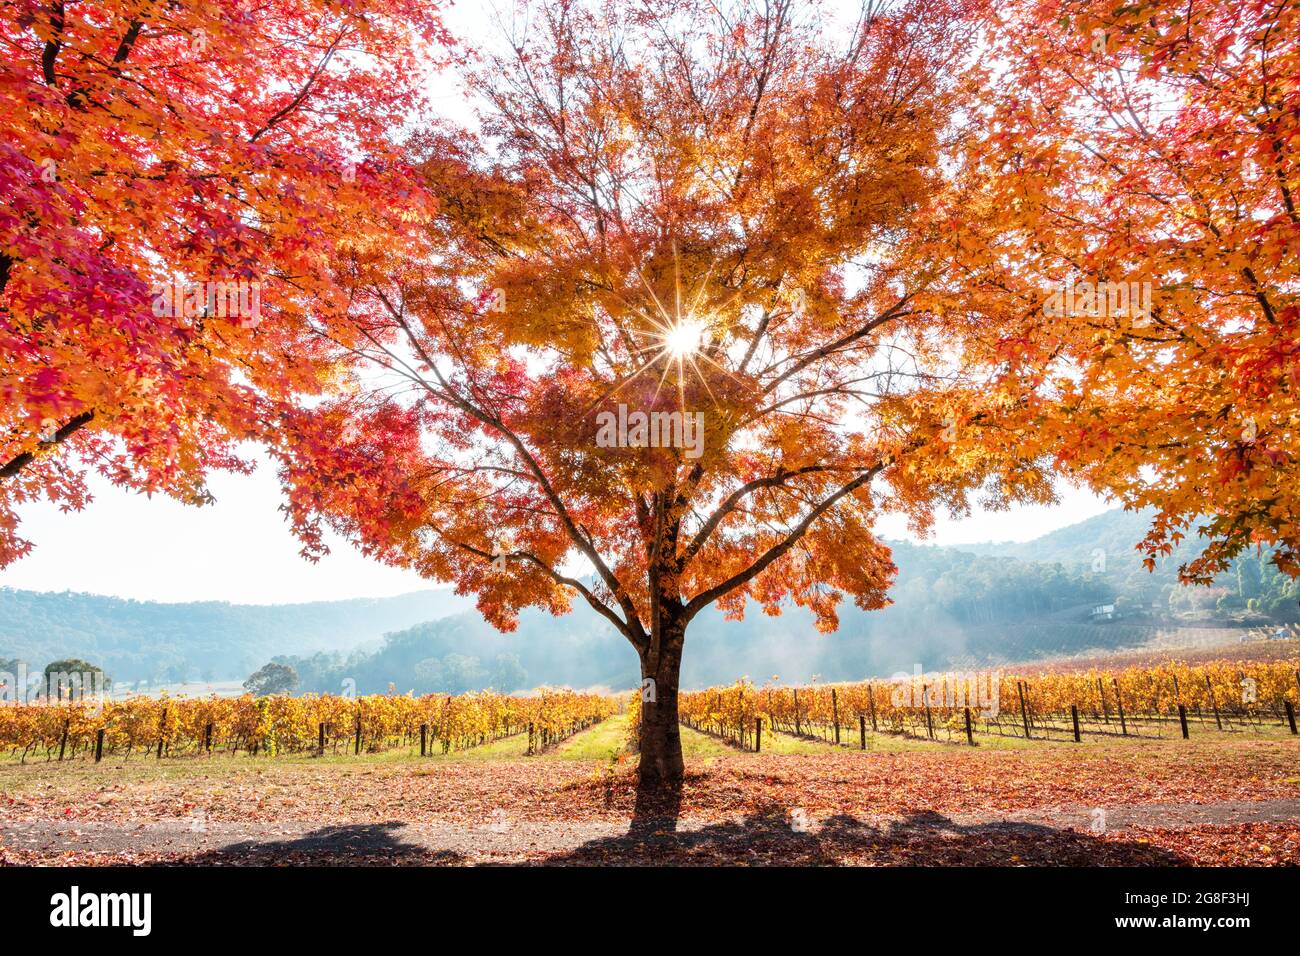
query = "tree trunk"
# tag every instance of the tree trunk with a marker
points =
(661, 738)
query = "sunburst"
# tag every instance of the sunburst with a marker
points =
(685, 339)
(676, 339)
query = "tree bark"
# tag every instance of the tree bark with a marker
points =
(661, 738)
(659, 787)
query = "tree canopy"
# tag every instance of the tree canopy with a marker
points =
(176, 179)
(728, 215)
(1147, 150)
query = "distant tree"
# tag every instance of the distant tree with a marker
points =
(59, 675)
(176, 672)
(1229, 602)
(508, 674)
(428, 674)
(1282, 607)
(461, 673)
(71, 664)
(272, 679)
(1248, 578)
(320, 673)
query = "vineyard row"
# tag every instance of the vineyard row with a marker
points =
(1122, 702)
(309, 724)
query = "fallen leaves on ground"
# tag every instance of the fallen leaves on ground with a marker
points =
(958, 781)
(767, 839)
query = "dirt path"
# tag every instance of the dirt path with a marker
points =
(1123, 834)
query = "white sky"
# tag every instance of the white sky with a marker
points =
(240, 549)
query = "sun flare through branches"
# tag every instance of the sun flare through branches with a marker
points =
(685, 338)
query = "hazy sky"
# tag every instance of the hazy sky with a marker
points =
(240, 549)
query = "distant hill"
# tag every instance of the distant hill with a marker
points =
(967, 605)
(1115, 533)
(209, 640)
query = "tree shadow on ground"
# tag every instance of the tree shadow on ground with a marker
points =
(772, 836)
(658, 807)
(359, 844)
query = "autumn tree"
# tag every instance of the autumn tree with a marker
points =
(176, 178)
(1130, 235)
(672, 218)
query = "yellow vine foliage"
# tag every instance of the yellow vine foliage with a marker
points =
(281, 724)
(1144, 690)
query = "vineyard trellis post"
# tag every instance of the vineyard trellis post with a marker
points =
(99, 745)
(970, 735)
(1214, 703)
(1074, 716)
(758, 734)
(1119, 703)
(1024, 712)
(835, 710)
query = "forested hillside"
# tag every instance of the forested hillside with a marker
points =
(1108, 543)
(977, 603)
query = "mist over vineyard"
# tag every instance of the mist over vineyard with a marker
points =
(972, 604)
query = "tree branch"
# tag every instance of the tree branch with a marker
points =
(734, 499)
(294, 103)
(598, 605)
(707, 597)
(843, 341)
(493, 421)
(20, 462)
